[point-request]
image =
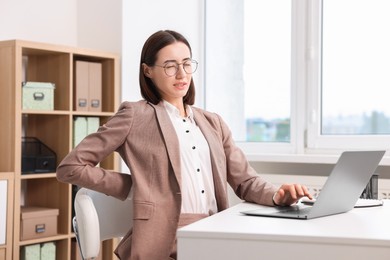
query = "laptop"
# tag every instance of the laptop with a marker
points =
(339, 194)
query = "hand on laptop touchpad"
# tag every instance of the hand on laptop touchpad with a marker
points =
(307, 201)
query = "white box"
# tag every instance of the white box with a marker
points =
(38, 95)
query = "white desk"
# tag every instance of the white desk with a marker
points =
(362, 233)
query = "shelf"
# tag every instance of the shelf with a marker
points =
(22, 61)
(303, 158)
(45, 112)
(37, 176)
(43, 240)
(106, 114)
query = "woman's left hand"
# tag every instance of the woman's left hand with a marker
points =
(290, 193)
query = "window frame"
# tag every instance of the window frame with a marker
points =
(316, 142)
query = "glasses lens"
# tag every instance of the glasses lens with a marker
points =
(170, 69)
(190, 66)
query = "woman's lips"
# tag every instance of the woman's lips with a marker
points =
(181, 85)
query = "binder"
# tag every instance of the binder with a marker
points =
(93, 124)
(81, 86)
(83, 126)
(95, 87)
(88, 86)
(79, 129)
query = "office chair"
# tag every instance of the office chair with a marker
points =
(99, 217)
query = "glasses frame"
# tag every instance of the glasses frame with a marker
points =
(193, 62)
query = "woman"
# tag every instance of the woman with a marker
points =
(180, 157)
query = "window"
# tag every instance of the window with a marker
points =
(267, 70)
(299, 76)
(353, 60)
(248, 67)
(355, 67)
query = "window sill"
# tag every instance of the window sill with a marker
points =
(302, 158)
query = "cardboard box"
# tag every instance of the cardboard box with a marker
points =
(38, 95)
(31, 252)
(38, 222)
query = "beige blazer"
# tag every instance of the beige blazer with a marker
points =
(142, 133)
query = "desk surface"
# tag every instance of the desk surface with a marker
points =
(358, 229)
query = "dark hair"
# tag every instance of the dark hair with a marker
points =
(152, 46)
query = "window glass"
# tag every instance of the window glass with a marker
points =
(355, 67)
(267, 66)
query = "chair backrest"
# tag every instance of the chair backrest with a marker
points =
(99, 217)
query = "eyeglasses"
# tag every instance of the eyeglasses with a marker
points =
(171, 68)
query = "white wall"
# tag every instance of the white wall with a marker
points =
(99, 25)
(39, 20)
(94, 24)
(141, 19)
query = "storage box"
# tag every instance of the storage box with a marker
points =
(37, 157)
(38, 222)
(38, 95)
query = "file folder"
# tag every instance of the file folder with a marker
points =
(83, 126)
(88, 86)
(81, 86)
(95, 87)
(79, 129)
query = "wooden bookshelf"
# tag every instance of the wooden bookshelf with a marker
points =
(31, 61)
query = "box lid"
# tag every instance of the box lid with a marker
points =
(33, 84)
(37, 212)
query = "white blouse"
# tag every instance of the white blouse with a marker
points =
(197, 185)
